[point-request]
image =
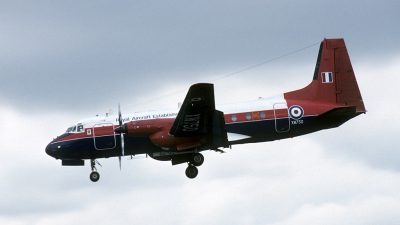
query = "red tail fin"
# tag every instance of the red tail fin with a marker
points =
(334, 80)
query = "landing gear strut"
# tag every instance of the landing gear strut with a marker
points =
(94, 175)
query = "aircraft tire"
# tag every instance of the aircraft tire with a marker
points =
(197, 159)
(94, 176)
(191, 172)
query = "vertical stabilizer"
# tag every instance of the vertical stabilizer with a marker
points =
(334, 80)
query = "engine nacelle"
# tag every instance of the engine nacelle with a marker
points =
(166, 141)
(158, 132)
(146, 127)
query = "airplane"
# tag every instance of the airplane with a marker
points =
(180, 135)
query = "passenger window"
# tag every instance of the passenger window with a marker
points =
(248, 116)
(262, 114)
(234, 118)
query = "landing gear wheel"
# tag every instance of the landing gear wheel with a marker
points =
(191, 172)
(94, 176)
(197, 159)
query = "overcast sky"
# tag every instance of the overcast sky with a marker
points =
(61, 62)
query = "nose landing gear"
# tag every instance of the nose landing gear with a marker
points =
(94, 175)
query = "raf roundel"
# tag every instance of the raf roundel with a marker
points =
(296, 112)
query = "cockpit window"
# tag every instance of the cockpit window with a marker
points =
(80, 128)
(75, 129)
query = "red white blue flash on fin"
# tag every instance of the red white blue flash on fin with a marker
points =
(327, 77)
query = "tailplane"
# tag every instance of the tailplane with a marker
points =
(334, 80)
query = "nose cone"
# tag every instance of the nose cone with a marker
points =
(48, 150)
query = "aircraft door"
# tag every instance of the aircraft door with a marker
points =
(104, 136)
(282, 120)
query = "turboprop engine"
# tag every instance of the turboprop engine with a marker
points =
(158, 132)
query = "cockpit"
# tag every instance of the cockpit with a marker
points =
(81, 125)
(75, 129)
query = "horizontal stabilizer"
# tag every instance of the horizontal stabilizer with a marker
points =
(337, 116)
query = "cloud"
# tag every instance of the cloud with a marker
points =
(374, 210)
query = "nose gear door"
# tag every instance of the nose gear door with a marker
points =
(104, 136)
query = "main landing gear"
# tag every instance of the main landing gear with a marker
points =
(196, 159)
(94, 175)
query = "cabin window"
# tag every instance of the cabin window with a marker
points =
(262, 114)
(248, 116)
(234, 118)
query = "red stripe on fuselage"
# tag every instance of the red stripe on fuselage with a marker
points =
(311, 108)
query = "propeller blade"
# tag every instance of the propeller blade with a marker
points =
(120, 130)
(119, 115)
(119, 157)
(122, 144)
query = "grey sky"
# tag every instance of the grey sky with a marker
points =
(60, 62)
(49, 46)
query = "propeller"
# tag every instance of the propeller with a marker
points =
(121, 131)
